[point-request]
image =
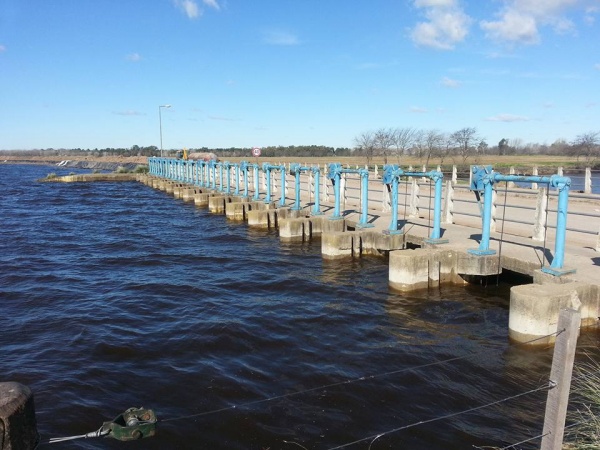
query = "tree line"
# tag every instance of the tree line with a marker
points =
(465, 144)
(462, 146)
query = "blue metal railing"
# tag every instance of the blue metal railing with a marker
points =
(483, 180)
(391, 175)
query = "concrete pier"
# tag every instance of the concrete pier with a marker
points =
(417, 262)
(18, 428)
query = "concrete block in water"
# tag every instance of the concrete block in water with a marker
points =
(292, 230)
(337, 244)
(534, 309)
(477, 265)
(421, 268)
(189, 194)
(18, 429)
(202, 198)
(216, 204)
(262, 218)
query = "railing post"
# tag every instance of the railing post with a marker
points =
(569, 321)
(588, 181)
(541, 215)
(535, 174)
(562, 184)
(267, 174)
(335, 175)
(484, 245)
(448, 215)
(436, 236)
(283, 186)
(364, 190)
(511, 171)
(414, 198)
(256, 183)
(454, 175)
(316, 207)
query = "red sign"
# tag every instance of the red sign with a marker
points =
(256, 151)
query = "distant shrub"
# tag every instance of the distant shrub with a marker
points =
(52, 175)
(141, 169)
(122, 169)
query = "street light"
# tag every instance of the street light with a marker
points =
(160, 126)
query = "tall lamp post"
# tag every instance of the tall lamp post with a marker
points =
(160, 125)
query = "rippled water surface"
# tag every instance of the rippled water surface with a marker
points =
(116, 295)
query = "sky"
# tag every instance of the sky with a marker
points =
(239, 73)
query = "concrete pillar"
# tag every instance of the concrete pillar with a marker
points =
(534, 310)
(454, 175)
(18, 428)
(588, 181)
(420, 268)
(493, 220)
(448, 212)
(535, 174)
(511, 171)
(336, 245)
(540, 215)
(414, 199)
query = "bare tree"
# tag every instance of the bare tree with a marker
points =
(419, 144)
(403, 140)
(365, 143)
(588, 146)
(384, 140)
(465, 140)
(434, 143)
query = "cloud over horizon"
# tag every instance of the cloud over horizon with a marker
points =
(191, 9)
(446, 25)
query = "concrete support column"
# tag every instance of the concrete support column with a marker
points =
(18, 428)
(511, 171)
(535, 174)
(414, 199)
(421, 268)
(534, 309)
(541, 213)
(493, 219)
(343, 191)
(588, 181)
(448, 212)
(454, 175)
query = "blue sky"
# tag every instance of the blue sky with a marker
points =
(92, 74)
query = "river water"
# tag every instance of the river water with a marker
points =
(115, 295)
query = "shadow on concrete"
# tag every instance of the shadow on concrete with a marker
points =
(596, 261)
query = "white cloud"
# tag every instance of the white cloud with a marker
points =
(212, 4)
(280, 38)
(434, 3)
(519, 21)
(189, 8)
(512, 27)
(507, 118)
(597, 66)
(450, 83)
(418, 109)
(134, 57)
(2, 48)
(446, 24)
